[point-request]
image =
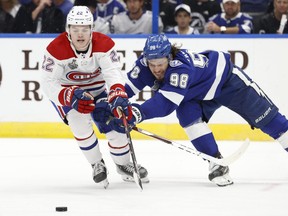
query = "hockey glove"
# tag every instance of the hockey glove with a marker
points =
(118, 101)
(116, 124)
(102, 112)
(137, 117)
(77, 98)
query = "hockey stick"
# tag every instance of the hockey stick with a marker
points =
(223, 161)
(136, 173)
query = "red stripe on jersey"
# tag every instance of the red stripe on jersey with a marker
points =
(61, 111)
(88, 84)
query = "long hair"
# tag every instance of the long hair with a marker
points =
(175, 49)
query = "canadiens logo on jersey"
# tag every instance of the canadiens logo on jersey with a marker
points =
(73, 65)
(80, 76)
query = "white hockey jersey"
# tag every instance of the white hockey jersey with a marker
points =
(122, 24)
(93, 71)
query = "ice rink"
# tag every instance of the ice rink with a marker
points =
(36, 175)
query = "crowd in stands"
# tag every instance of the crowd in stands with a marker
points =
(135, 16)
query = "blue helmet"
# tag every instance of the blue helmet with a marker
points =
(157, 46)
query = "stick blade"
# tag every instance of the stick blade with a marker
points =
(138, 181)
(236, 155)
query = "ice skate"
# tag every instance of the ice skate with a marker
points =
(219, 174)
(99, 173)
(126, 172)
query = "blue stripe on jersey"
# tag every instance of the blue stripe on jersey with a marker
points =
(61, 110)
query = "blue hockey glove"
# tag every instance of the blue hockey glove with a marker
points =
(116, 124)
(137, 117)
(77, 98)
(102, 112)
(118, 101)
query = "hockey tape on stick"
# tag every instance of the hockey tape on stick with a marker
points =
(136, 173)
(223, 161)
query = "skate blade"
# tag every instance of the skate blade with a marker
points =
(131, 179)
(223, 181)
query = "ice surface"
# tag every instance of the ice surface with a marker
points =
(36, 175)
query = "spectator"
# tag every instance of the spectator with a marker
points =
(183, 19)
(39, 16)
(134, 21)
(270, 23)
(231, 21)
(64, 5)
(100, 24)
(202, 10)
(8, 11)
(107, 8)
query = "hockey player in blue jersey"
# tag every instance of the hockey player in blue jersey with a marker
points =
(195, 85)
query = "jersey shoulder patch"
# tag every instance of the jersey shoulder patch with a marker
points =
(101, 42)
(175, 63)
(60, 47)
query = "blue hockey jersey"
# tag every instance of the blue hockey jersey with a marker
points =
(196, 85)
(189, 76)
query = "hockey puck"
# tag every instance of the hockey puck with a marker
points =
(61, 208)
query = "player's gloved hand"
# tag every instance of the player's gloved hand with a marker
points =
(77, 98)
(137, 117)
(102, 112)
(118, 101)
(116, 124)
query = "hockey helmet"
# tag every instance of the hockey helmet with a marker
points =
(157, 46)
(80, 15)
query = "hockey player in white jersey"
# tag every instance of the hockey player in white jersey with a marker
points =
(77, 68)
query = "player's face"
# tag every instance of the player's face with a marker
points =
(158, 67)
(80, 36)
